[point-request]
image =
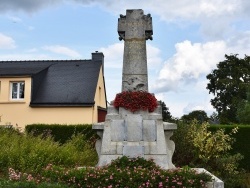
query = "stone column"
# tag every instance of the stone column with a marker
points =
(135, 28)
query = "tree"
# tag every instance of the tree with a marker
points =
(214, 119)
(243, 111)
(166, 115)
(199, 115)
(229, 83)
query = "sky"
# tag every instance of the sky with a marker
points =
(189, 38)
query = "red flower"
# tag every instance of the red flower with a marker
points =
(136, 100)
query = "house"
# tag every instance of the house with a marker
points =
(53, 91)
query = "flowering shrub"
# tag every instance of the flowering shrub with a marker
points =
(136, 100)
(197, 146)
(137, 173)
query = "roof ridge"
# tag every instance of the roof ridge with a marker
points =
(63, 60)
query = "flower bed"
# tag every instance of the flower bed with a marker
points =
(136, 100)
(123, 172)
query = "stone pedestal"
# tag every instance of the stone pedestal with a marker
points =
(139, 134)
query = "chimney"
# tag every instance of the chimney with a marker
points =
(98, 56)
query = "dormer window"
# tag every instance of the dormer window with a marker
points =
(17, 90)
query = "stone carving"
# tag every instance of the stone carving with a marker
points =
(134, 84)
(121, 35)
(149, 35)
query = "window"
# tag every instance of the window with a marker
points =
(17, 90)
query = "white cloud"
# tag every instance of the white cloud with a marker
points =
(214, 17)
(113, 55)
(182, 78)
(153, 57)
(15, 19)
(239, 44)
(6, 42)
(188, 64)
(193, 61)
(62, 50)
(205, 105)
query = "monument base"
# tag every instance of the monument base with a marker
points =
(138, 134)
(216, 183)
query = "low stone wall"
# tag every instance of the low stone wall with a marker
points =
(216, 183)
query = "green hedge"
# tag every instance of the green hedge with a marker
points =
(242, 144)
(62, 133)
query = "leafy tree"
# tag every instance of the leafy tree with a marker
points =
(243, 111)
(199, 115)
(228, 83)
(166, 115)
(214, 118)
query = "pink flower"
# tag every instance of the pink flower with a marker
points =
(160, 184)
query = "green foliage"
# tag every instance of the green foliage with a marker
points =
(166, 115)
(211, 150)
(213, 118)
(62, 133)
(241, 144)
(199, 115)
(243, 111)
(25, 184)
(24, 152)
(209, 145)
(229, 83)
(127, 163)
(137, 173)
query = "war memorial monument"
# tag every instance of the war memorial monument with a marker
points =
(137, 133)
(140, 133)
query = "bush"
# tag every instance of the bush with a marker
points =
(200, 147)
(62, 133)
(241, 144)
(137, 173)
(243, 109)
(24, 152)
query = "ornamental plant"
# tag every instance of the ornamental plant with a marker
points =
(122, 172)
(197, 146)
(136, 100)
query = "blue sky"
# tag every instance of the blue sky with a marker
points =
(190, 38)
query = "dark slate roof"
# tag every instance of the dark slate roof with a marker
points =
(23, 68)
(58, 83)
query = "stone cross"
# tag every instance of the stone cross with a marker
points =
(135, 28)
(140, 133)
